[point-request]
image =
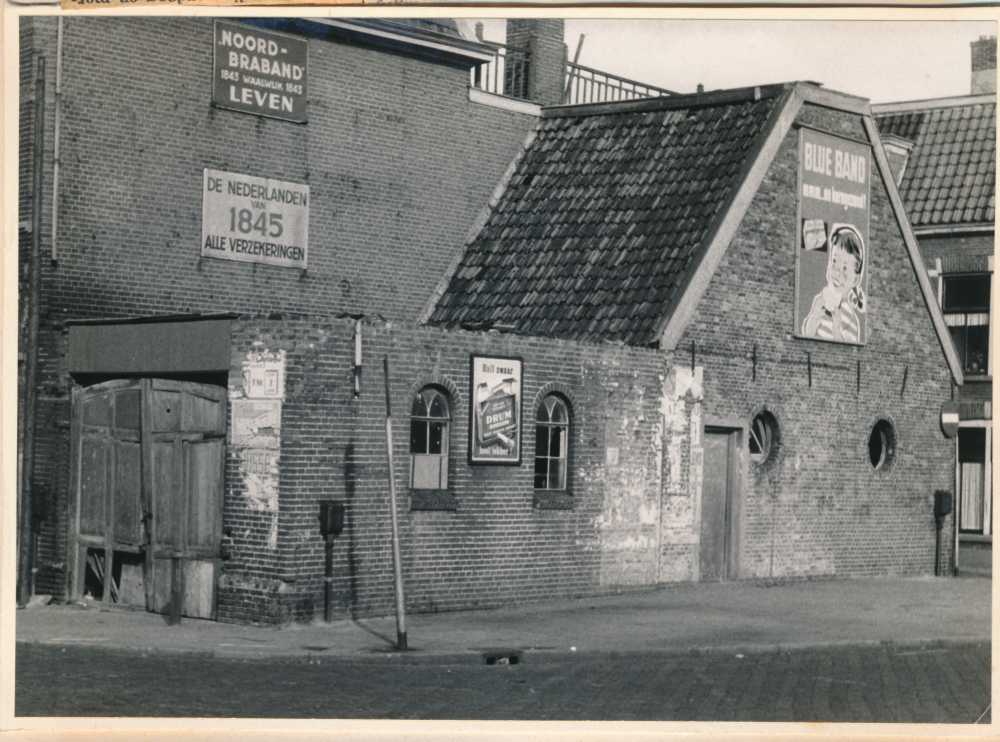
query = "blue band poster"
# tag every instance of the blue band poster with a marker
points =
(495, 414)
(832, 251)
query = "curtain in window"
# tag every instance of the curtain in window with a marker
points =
(971, 505)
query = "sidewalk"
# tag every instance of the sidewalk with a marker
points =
(735, 617)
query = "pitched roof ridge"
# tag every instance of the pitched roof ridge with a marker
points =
(667, 102)
(930, 104)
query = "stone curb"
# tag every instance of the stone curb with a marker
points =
(527, 655)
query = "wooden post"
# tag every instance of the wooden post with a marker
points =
(176, 590)
(396, 564)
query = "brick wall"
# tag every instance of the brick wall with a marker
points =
(958, 253)
(398, 160)
(819, 508)
(495, 548)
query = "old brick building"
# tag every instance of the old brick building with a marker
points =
(614, 357)
(945, 164)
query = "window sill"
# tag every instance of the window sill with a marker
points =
(552, 500)
(983, 378)
(432, 500)
(975, 538)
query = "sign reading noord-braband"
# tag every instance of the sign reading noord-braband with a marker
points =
(260, 72)
(254, 220)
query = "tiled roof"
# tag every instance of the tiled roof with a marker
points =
(950, 177)
(604, 217)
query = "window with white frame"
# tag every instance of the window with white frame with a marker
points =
(551, 444)
(430, 422)
(965, 303)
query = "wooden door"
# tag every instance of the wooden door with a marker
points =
(716, 505)
(185, 463)
(106, 558)
(148, 476)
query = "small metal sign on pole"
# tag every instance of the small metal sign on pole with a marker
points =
(949, 419)
(396, 563)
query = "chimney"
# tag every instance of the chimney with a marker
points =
(543, 38)
(984, 65)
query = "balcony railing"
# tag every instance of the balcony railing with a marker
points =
(506, 74)
(586, 85)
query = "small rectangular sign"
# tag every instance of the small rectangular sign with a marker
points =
(495, 411)
(832, 247)
(254, 220)
(260, 72)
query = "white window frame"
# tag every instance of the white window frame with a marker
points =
(564, 444)
(423, 463)
(987, 478)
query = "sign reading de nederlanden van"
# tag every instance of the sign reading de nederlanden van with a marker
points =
(254, 220)
(260, 72)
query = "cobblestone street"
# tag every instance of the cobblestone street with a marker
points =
(933, 684)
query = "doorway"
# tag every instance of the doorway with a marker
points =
(148, 472)
(719, 512)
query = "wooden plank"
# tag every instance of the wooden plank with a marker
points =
(147, 493)
(94, 455)
(127, 493)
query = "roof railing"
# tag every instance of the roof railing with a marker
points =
(587, 85)
(506, 74)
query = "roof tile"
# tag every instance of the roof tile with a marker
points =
(597, 228)
(953, 163)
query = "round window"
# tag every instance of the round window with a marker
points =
(763, 437)
(881, 445)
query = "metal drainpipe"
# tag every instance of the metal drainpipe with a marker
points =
(55, 143)
(24, 551)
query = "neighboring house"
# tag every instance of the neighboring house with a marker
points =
(945, 165)
(628, 344)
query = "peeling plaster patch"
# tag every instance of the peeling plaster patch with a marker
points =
(674, 476)
(696, 425)
(682, 380)
(259, 469)
(255, 435)
(695, 474)
(678, 512)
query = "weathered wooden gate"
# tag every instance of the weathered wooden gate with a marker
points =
(148, 465)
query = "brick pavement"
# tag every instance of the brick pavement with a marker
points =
(937, 684)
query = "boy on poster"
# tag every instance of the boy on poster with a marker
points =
(833, 253)
(835, 309)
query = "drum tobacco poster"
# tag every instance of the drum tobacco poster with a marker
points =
(495, 410)
(832, 250)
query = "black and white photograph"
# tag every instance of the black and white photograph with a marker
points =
(516, 368)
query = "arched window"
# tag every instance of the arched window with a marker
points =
(430, 421)
(551, 444)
